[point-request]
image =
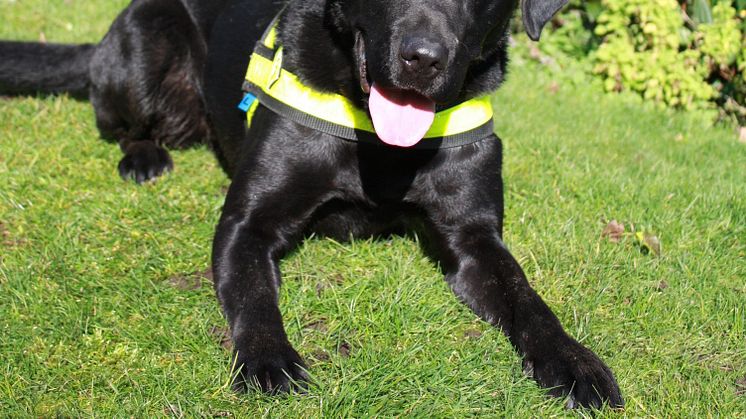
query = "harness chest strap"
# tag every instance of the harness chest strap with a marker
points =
(283, 93)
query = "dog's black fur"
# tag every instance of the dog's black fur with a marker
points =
(143, 79)
(289, 180)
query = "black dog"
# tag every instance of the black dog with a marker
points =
(290, 179)
(143, 79)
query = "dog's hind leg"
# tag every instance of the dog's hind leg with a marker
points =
(143, 159)
(145, 86)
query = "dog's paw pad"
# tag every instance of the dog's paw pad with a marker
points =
(144, 161)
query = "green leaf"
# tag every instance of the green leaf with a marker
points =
(701, 11)
(594, 9)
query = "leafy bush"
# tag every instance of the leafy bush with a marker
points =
(684, 54)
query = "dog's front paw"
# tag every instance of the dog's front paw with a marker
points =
(274, 369)
(573, 370)
(143, 161)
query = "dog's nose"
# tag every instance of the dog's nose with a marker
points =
(423, 56)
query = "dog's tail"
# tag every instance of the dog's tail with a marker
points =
(30, 68)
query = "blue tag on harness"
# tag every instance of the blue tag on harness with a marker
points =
(248, 100)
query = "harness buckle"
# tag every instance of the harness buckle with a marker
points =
(276, 68)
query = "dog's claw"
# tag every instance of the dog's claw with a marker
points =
(274, 372)
(144, 161)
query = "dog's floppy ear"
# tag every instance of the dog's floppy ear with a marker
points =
(536, 13)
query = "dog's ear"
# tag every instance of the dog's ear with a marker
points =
(536, 14)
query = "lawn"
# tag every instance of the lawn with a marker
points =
(106, 308)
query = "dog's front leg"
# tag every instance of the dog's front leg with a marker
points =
(483, 273)
(247, 282)
(261, 221)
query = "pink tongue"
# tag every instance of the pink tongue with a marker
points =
(400, 118)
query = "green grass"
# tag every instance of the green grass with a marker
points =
(100, 313)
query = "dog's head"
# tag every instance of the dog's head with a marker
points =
(412, 55)
(428, 46)
(408, 57)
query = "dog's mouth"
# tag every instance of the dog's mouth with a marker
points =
(400, 117)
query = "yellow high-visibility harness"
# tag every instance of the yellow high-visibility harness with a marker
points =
(283, 93)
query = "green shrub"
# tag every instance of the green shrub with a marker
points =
(721, 39)
(641, 51)
(682, 54)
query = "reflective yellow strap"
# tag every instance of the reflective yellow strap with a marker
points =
(285, 87)
(461, 118)
(271, 37)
